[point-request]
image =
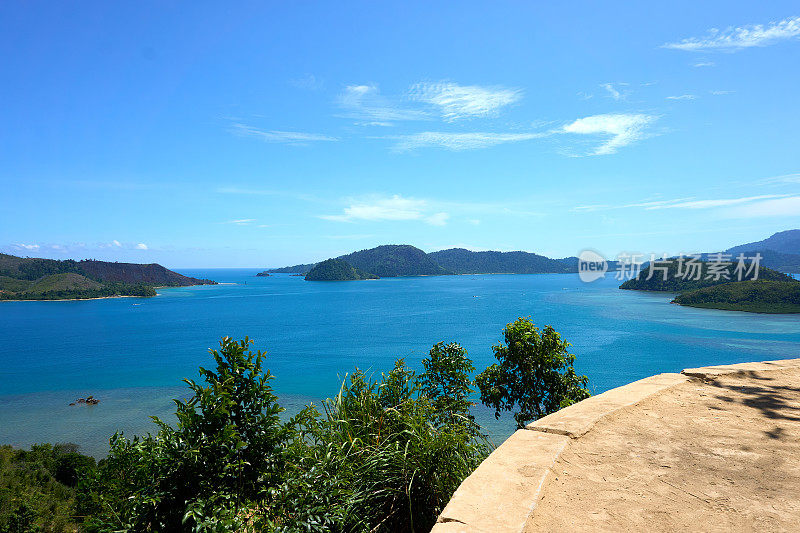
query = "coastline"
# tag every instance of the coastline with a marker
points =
(109, 297)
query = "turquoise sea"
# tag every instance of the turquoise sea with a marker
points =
(132, 353)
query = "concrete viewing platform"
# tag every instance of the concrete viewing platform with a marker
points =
(710, 449)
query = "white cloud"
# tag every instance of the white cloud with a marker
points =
(701, 64)
(683, 203)
(683, 97)
(141, 246)
(613, 92)
(623, 129)
(464, 101)
(287, 137)
(474, 221)
(241, 221)
(27, 246)
(392, 208)
(731, 39)
(719, 93)
(365, 102)
(116, 243)
(437, 219)
(460, 141)
(707, 204)
(778, 207)
(780, 180)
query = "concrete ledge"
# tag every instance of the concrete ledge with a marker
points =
(711, 372)
(577, 419)
(502, 492)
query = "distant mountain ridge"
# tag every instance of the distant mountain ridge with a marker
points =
(785, 242)
(462, 261)
(26, 278)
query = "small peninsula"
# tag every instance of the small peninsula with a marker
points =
(28, 278)
(769, 292)
(337, 270)
(751, 296)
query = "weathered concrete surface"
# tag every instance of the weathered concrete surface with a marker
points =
(500, 495)
(580, 418)
(711, 372)
(719, 454)
(714, 449)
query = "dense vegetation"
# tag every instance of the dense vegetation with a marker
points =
(463, 261)
(393, 260)
(383, 455)
(753, 296)
(683, 277)
(38, 488)
(336, 270)
(49, 279)
(405, 260)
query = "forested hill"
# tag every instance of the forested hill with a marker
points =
(463, 261)
(391, 260)
(682, 277)
(24, 278)
(337, 270)
(405, 260)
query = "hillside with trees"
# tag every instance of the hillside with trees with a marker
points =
(23, 278)
(461, 261)
(337, 270)
(680, 276)
(750, 296)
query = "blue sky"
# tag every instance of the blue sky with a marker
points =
(205, 134)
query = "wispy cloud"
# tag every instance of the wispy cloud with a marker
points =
(29, 247)
(780, 180)
(778, 207)
(464, 101)
(736, 38)
(701, 64)
(622, 129)
(710, 203)
(365, 102)
(459, 141)
(141, 246)
(392, 208)
(681, 203)
(683, 97)
(241, 222)
(719, 93)
(308, 82)
(297, 138)
(616, 91)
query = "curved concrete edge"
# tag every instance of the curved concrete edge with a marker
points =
(578, 419)
(502, 493)
(711, 372)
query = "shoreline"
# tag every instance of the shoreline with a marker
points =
(109, 297)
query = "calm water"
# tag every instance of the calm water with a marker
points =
(132, 353)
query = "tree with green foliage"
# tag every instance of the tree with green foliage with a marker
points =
(226, 450)
(534, 376)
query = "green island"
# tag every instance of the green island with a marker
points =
(384, 454)
(394, 260)
(751, 296)
(337, 270)
(704, 285)
(26, 278)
